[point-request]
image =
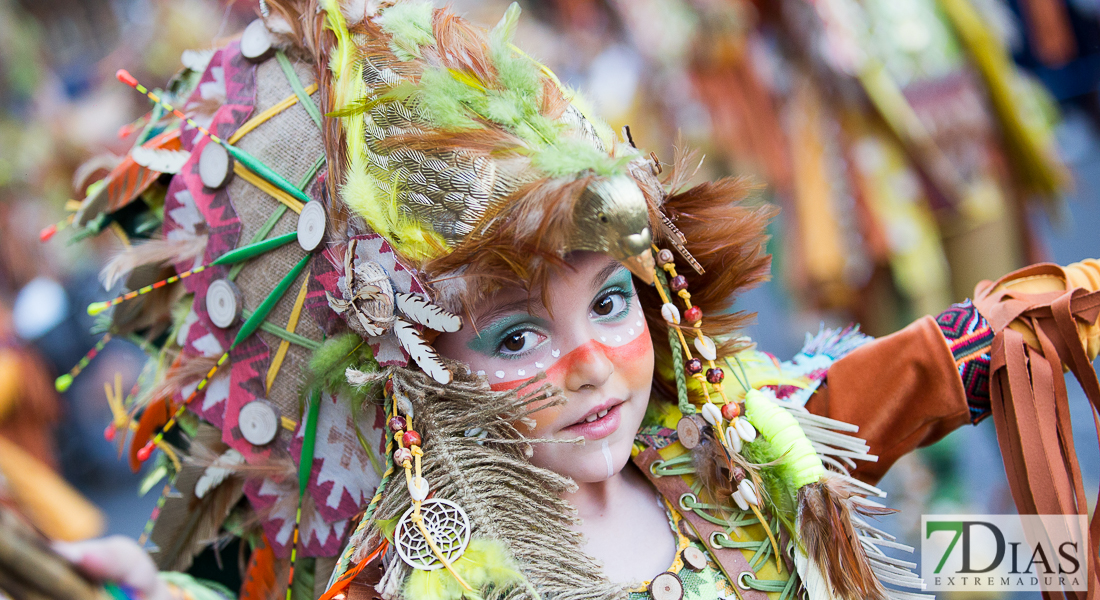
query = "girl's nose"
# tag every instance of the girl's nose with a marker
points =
(588, 367)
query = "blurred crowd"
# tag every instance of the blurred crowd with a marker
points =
(910, 143)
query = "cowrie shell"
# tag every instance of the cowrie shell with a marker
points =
(733, 439)
(670, 313)
(712, 414)
(745, 429)
(418, 488)
(748, 492)
(706, 347)
(740, 501)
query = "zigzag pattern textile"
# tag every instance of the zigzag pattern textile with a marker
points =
(969, 337)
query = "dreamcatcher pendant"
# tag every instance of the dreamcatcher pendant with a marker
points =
(447, 528)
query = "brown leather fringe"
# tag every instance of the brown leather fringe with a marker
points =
(1030, 402)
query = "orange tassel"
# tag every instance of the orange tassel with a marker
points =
(259, 576)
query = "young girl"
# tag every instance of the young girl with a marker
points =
(522, 378)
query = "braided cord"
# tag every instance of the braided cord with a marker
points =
(677, 355)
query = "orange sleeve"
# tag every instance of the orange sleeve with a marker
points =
(902, 390)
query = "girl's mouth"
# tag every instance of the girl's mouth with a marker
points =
(599, 423)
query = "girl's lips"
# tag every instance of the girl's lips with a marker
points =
(600, 428)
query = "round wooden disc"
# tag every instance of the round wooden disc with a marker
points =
(257, 43)
(258, 422)
(666, 586)
(685, 528)
(689, 431)
(311, 226)
(694, 558)
(223, 303)
(215, 166)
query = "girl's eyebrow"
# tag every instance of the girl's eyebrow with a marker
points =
(610, 269)
(485, 319)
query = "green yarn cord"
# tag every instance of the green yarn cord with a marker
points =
(685, 405)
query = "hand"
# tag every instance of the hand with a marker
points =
(120, 560)
(1084, 274)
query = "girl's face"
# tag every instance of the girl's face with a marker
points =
(595, 347)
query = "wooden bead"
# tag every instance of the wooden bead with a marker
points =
(311, 226)
(258, 422)
(678, 283)
(402, 456)
(693, 315)
(396, 424)
(215, 166)
(689, 431)
(666, 586)
(694, 366)
(688, 530)
(223, 303)
(410, 439)
(694, 558)
(715, 375)
(664, 257)
(257, 43)
(730, 411)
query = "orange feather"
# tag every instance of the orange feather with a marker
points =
(154, 417)
(259, 576)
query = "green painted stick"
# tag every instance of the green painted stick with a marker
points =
(269, 303)
(253, 250)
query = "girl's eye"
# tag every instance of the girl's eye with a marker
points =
(611, 304)
(519, 342)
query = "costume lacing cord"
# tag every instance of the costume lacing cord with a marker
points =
(761, 550)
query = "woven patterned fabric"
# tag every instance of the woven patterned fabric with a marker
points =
(969, 337)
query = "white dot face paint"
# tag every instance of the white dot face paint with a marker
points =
(515, 337)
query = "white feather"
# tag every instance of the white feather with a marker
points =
(813, 580)
(163, 161)
(218, 472)
(420, 351)
(422, 312)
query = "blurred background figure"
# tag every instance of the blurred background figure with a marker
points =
(916, 147)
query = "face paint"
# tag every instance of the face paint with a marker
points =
(608, 459)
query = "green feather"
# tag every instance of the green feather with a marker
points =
(328, 364)
(778, 479)
(485, 564)
(410, 24)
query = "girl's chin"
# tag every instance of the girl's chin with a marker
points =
(591, 463)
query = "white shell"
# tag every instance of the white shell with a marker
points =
(745, 429)
(311, 226)
(258, 422)
(733, 440)
(223, 303)
(218, 471)
(257, 42)
(740, 501)
(712, 414)
(449, 527)
(706, 347)
(419, 488)
(215, 166)
(670, 313)
(748, 492)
